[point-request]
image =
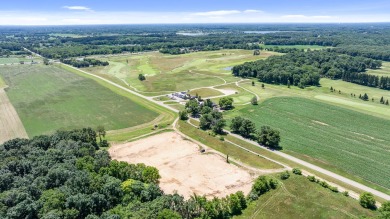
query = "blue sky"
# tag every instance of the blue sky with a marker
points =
(60, 12)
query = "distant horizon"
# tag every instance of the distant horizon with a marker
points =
(114, 12)
(140, 24)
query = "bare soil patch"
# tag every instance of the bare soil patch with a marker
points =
(183, 167)
(10, 124)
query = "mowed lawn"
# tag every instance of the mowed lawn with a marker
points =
(297, 197)
(48, 98)
(347, 140)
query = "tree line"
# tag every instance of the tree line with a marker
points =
(266, 136)
(304, 68)
(381, 82)
(84, 63)
(66, 175)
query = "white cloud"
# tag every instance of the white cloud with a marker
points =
(77, 8)
(217, 13)
(252, 11)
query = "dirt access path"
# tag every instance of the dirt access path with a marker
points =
(10, 124)
(183, 168)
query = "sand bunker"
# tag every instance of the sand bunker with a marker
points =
(183, 167)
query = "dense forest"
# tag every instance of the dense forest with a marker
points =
(66, 175)
(368, 40)
(305, 68)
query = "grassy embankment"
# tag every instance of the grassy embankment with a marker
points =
(226, 148)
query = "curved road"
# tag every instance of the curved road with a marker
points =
(289, 157)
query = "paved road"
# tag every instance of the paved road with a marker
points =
(289, 157)
(322, 170)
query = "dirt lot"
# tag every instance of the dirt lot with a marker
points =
(10, 124)
(183, 168)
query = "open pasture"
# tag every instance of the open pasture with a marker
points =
(329, 136)
(48, 98)
(297, 197)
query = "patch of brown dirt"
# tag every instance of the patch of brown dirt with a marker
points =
(183, 168)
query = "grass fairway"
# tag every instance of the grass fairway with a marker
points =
(48, 98)
(329, 136)
(297, 197)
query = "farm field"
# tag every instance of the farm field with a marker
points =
(2, 83)
(48, 98)
(167, 73)
(181, 166)
(328, 135)
(17, 59)
(10, 125)
(297, 197)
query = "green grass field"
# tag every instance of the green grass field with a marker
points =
(48, 98)
(205, 92)
(166, 73)
(327, 135)
(383, 71)
(240, 97)
(15, 60)
(226, 148)
(297, 197)
(323, 94)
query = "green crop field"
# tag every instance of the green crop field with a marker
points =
(166, 73)
(48, 98)
(297, 197)
(327, 135)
